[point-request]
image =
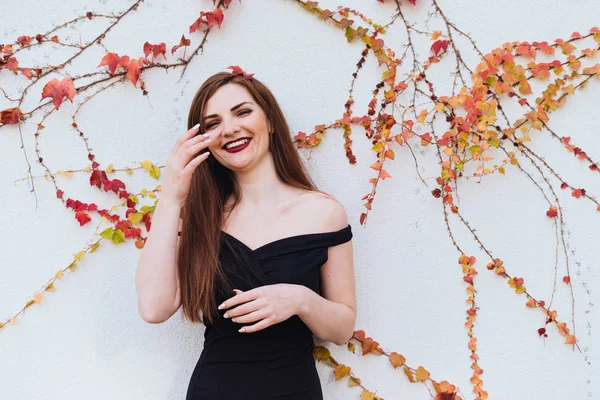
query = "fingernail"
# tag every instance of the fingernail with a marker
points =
(242, 330)
(196, 126)
(206, 135)
(221, 306)
(226, 315)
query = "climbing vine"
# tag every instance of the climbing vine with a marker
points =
(471, 132)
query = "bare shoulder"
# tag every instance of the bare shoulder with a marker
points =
(330, 213)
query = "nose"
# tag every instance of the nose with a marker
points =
(229, 128)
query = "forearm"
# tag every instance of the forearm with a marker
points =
(326, 319)
(155, 278)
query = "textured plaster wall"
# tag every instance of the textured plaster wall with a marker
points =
(86, 340)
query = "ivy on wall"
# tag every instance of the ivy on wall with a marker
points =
(471, 132)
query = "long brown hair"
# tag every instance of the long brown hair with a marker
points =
(212, 185)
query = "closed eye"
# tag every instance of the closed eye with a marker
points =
(242, 112)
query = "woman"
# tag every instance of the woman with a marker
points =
(263, 258)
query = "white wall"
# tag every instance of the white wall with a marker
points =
(86, 340)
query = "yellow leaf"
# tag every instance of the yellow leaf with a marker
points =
(88, 168)
(155, 172)
(135, 218)
(501, 170)
(422, 374)
(341, 371)
(72, 266)
(110, 168)
(366, 395)
(352, 381)
(59, 274)
(147, 165)
(321, 353)
(351, 347)
(50, 287)
(95, 246)
(422, 116)
(79, 255)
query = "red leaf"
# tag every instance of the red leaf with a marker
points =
(155, 49)
(133, 70)
(552, 212)
(567, 279)
(542, 332)
(236, 70)
(57, 90)
(82, 217)
(97, 178)
(439, 47)
(182, 42)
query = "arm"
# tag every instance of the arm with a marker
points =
(332, 317)
(156, 277)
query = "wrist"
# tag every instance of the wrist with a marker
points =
(168, 202)
(305, 300)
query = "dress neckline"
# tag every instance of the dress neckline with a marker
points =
(285, 239)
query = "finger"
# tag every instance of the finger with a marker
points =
(188, 153)
(183, 138)
(194, 144)
(265, 323)
(240, 298)
(251, 317)
(242, 309)
(195, 162)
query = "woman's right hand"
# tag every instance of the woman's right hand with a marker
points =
(180, 165)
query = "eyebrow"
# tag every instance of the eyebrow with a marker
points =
(232, 109)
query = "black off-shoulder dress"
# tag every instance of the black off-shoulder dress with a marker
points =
(276, 362)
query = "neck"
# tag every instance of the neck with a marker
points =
(260, 186)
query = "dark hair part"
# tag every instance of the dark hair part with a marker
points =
(214, 186)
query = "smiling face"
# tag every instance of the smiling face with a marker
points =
(233, 117)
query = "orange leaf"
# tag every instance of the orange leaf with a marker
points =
(112, 60)
(384, 174)
(38, 297)
(397, 359)
(409, 374)
(11, 116)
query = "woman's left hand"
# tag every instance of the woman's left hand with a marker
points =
(269, 305)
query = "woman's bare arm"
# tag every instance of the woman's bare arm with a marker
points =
(156, 278)
(332, 316)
